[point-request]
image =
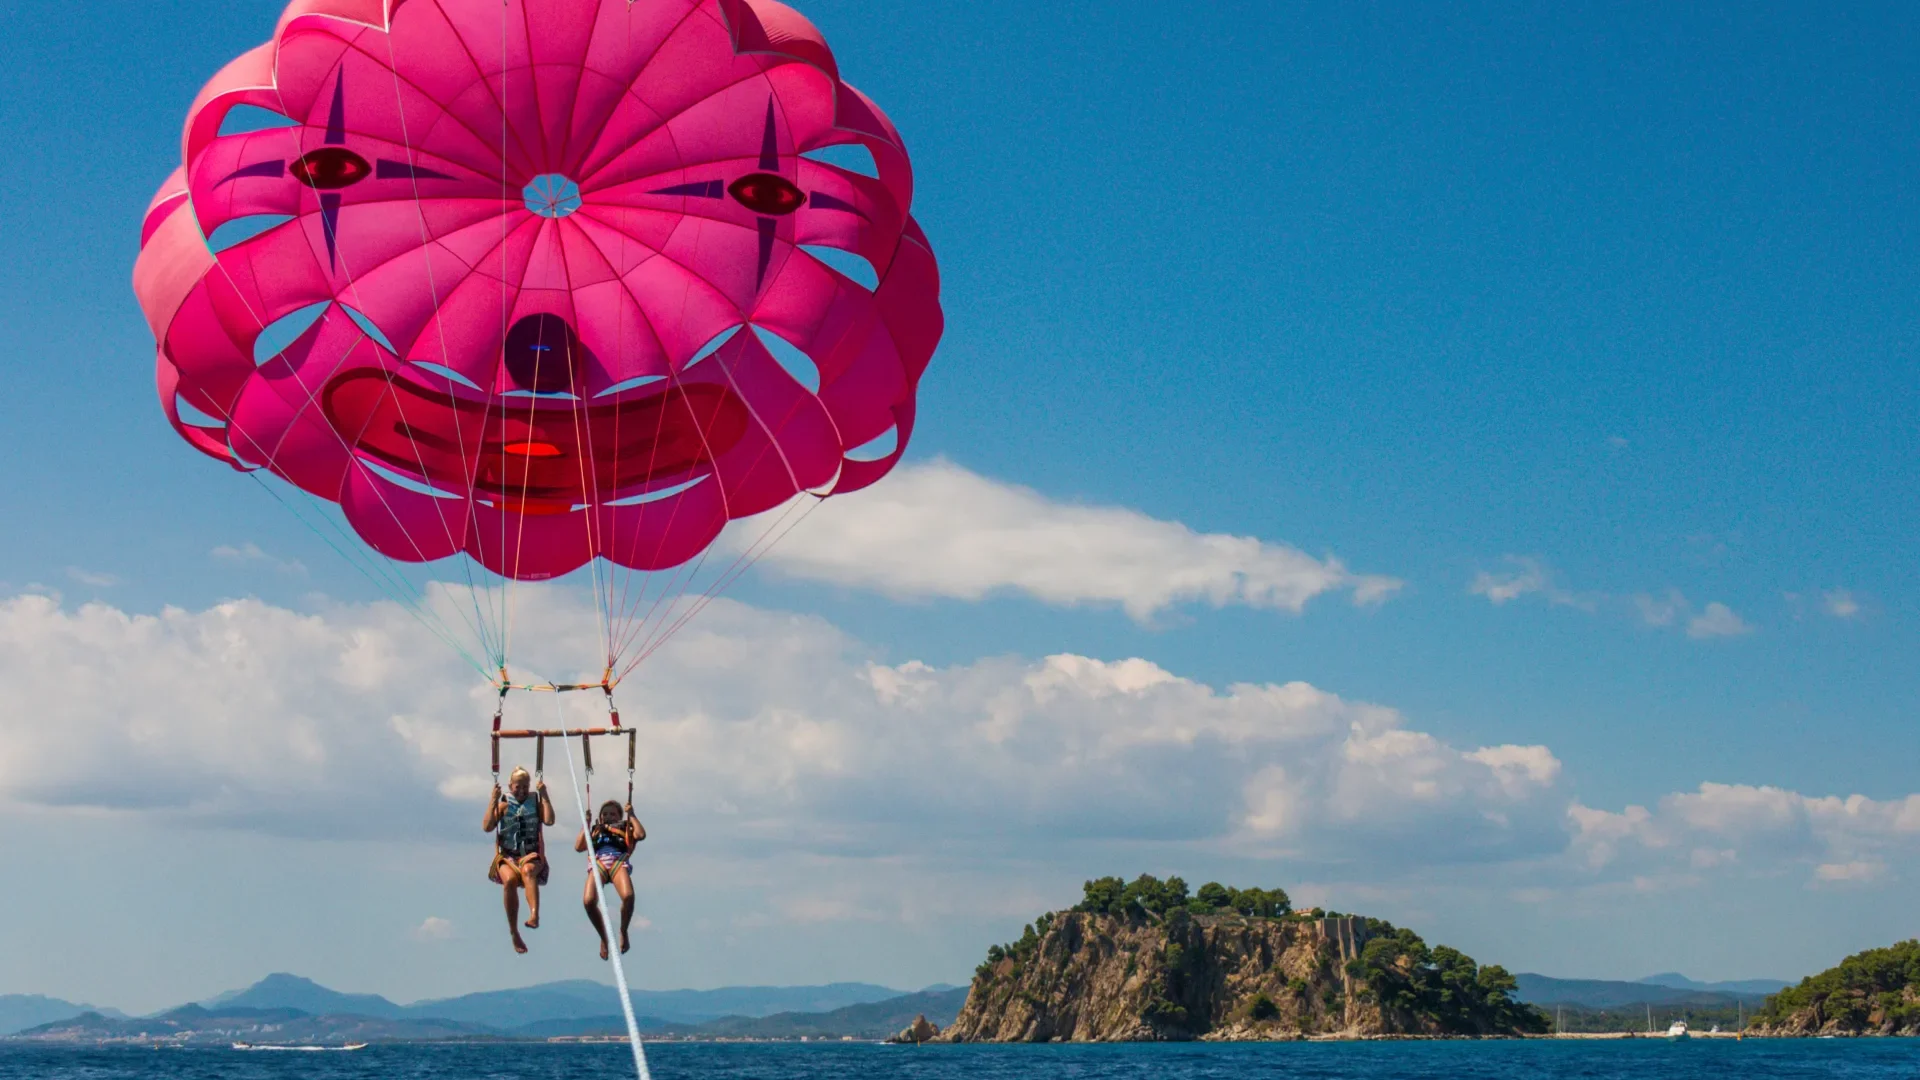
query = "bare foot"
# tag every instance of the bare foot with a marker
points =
(533, 922)
(624, 943)
(519, 946)
(603, 948)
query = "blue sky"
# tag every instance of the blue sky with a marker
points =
(1602, 303)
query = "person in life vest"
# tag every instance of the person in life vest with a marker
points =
(613, 837)
(520, 849)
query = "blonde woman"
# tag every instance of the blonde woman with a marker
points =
(517, 819)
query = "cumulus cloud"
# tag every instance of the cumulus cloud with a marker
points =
(1830, 838)
(772, 732)
(1717, 620)
(938, 530)
(243, 712)
(433, 928)
(773, 739)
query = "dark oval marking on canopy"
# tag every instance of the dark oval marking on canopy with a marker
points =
(331, 168)
(543, 354)
(765, 193)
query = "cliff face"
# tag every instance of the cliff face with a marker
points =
(1104, 978)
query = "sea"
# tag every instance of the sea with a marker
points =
(1587, 1059)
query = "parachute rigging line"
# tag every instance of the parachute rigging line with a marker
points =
(580, 799)
(416, 603)
(394, 587)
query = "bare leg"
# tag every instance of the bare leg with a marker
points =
(591, 898)
(623, 884)
(510, 890)
(530, 873)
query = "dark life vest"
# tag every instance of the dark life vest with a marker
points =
(518, 830)
(608, 842)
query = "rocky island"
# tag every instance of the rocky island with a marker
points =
(1144, 961)
(1876, 992)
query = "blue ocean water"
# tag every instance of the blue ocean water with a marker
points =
(1636, 1059)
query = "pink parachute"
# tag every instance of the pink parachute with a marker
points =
(544, 280)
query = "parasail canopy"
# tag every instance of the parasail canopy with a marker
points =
(541, 282)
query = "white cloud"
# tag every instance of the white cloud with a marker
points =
(764, 730)
(91, 577)
(434, 928)
(1840, 604)
(251, 553)
(938, 530)
(1762, 829)
(242, 713)
(902, 791)
(1717, 621)
(1850, 873)
(1526, 576)
(1530, 576)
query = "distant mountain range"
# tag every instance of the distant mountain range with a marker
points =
(1740, 986)
(576, 999)
(1666, 989)
(288, 1008)
(290, 1004)
(196, 1025)
(19, 1012)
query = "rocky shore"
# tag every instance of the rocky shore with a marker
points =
(1876, 992)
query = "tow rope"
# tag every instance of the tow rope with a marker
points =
(606, 912)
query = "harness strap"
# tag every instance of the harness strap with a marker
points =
(499, 708)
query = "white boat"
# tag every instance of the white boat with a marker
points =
(1677, 1031)
(303, 1049)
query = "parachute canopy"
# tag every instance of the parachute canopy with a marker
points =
(541, 281)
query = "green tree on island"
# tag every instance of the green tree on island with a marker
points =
(1114, 896)
(1878, 989)
(1441, 984)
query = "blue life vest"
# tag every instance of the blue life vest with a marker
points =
(518, 830)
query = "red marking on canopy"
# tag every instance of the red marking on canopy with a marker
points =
(331, 168)
(765, 193)
(561, 452)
